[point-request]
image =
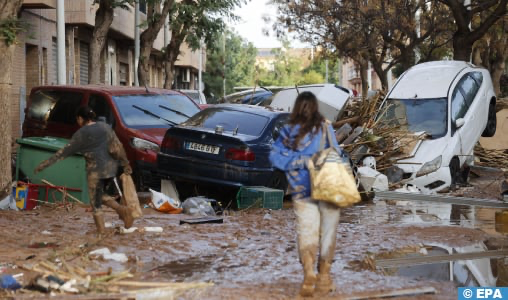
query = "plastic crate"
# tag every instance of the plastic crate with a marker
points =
(258, 196)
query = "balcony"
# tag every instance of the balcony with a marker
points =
(44, 4)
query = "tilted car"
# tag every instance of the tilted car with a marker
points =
(226, 145)
(453, 103)
(139, 116)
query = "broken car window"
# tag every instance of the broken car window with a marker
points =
(417, 115)
(247, 123)
(101, 107)
(55, 106)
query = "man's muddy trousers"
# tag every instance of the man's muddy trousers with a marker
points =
(316, 224)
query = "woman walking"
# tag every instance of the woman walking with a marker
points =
(316, 220)
(103, 153)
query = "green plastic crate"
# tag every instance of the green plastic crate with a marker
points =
(258, 196)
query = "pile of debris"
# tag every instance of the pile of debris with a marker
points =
(493, 158)
(361, 135)
(60, 277)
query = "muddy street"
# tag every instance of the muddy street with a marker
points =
(253, 254)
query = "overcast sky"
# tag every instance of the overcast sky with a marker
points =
(252, 24)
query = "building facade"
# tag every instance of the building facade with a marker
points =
(35, 57)
(351, 77)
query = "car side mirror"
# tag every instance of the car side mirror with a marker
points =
(459, 122)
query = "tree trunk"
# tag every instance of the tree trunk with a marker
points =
(103, 20)
(171, 55)
(149, 35)
(462, 47)
(8, 10)
(364, 68)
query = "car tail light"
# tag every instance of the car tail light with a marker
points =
(240, 154)
(171, 143)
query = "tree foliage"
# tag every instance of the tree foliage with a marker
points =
(195, 22)
(239, 61)
(385, 33)
(472, 20)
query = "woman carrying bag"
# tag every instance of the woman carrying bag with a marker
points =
(300, 145)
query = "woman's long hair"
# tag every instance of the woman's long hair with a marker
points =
(305, 113)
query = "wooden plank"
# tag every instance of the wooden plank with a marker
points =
(434, 259)
(395, 293)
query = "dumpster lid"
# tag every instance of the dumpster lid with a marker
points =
(50, 143)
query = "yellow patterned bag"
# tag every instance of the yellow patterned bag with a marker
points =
(331, 179)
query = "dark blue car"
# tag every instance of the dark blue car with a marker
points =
(224, 145)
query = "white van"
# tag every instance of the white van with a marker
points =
(453, 102)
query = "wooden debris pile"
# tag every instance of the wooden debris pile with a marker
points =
(361, 135)
(60, 277)
(491, 158)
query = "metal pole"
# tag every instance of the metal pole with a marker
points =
(369, 76)
(326, 74)
(136, 43)
(166, 32)
(200, 78)
(60, 34)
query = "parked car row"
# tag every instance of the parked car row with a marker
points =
(166, 134)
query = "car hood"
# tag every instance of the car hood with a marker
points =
(152, 134)
(424, 151)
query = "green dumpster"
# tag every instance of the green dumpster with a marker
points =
(69, 173)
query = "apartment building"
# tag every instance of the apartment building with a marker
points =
(35, 58)
(351, 77)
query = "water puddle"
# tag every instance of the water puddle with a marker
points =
(184, 269)
(485, 271)
(415, 213)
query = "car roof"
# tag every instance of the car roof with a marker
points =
(108, 89)
(428, 80)
(253, 109)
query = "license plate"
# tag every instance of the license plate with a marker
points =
(202, 148)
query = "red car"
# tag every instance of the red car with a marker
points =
(140, 117)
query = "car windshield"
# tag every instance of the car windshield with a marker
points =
(154, 111)
(247, 123)
(193, 95)
(417, 115)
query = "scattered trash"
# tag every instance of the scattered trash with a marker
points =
(372, 179)
(108, 225)
(153, 229)
(46, 232)
(9, 282)
(106, 254)
(43, 245)
(8, 203)
(198, 206)
(165, 204)
(202, 220)
(30, 257)
(409, 188)
(168, 188)
(267, 217)
(127, 231)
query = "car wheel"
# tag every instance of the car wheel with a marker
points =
(278, 181)
(490, 129)
(454, 172)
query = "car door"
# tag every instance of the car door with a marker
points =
(464, 109)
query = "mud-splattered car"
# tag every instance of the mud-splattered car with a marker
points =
(226, 145)
(452, 103)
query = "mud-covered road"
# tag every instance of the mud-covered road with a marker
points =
(253, 254)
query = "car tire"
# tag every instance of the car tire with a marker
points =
(454, 172)
(278, 181)
(490, 129)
